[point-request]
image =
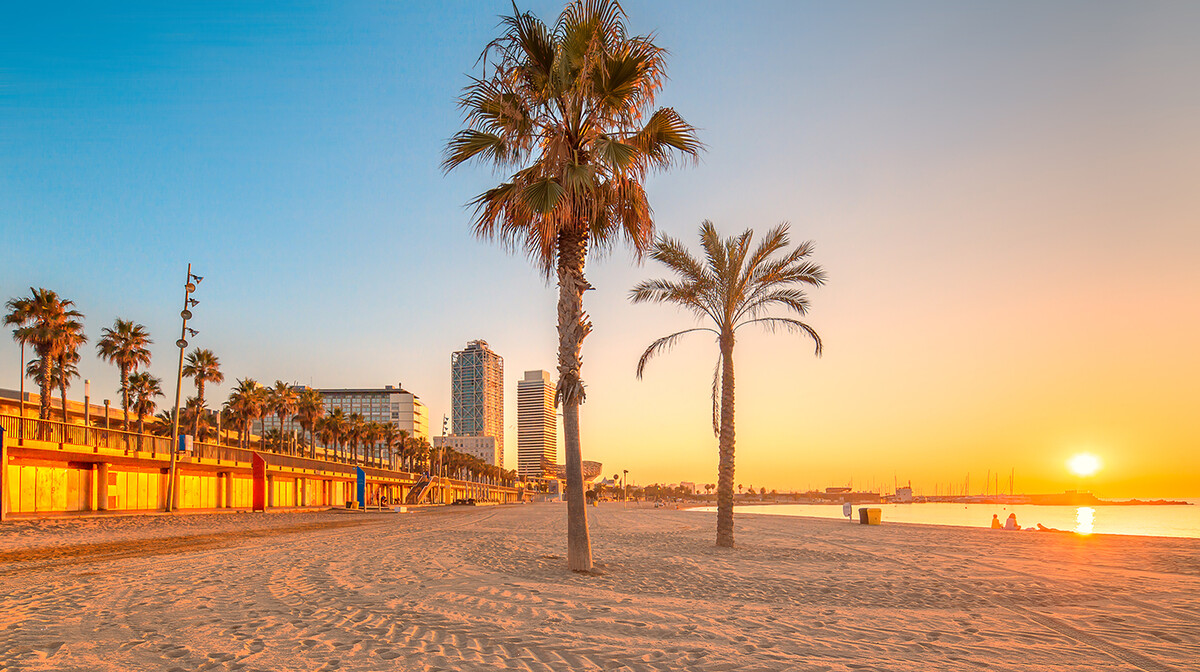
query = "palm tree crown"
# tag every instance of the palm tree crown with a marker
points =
(126, 344)
(567, 114)
(731, 288)
(52, 327)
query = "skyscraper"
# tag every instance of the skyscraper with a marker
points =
(477, 392)
(537, 425)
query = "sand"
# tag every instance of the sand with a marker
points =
(485, 588)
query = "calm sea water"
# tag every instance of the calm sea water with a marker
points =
(1158, 521)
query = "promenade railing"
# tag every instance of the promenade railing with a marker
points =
(19, 430)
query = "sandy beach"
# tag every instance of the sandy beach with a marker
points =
(484, 588)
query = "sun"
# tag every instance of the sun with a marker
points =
(1084, 464)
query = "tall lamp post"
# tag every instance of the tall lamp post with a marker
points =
(21, 370)
(188, 302)
(625, 487)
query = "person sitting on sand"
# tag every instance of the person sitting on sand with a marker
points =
(996, 522)
(1011, 523)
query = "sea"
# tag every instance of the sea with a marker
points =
(1140, 520)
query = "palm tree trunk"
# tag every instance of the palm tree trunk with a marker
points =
(125, 396)
(44, 389)
(573, 327)
(726, 447)
(199, 407)
(62, 387)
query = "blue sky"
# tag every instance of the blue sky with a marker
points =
(1003, 194)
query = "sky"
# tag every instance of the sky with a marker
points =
(1004, 197)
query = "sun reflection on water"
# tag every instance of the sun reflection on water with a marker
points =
(1084, 517)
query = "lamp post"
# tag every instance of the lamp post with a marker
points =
(625, 487)
(189, 286)
(87, 409)
(21, 370)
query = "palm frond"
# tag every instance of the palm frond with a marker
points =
(716, 394)
(662, 344)
(792, 325)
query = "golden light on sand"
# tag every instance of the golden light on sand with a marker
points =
(1084, 464)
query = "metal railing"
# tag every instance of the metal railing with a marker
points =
(52, 431)
(220, 454)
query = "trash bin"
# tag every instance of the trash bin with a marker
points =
(869, 516)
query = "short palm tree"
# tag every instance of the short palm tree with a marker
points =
(283, 402)
(143, 387)
(569, 110)
(731, 288)
(388, 435)
(164, 420)
(70, 337)
(125, 344)
(354, 433)
(43, 321)
(309, 409)
(337, 424)
(63, 369)
(202, 367)
(246, 403)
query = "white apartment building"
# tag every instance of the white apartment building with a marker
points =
(537, 425)
(483, 447)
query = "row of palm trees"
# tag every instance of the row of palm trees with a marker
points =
(53, 328)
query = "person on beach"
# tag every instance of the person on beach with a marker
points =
(996, 522)
(1011, 523)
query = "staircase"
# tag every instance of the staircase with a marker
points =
(418, 492)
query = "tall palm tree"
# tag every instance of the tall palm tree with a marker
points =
(309, 409)
(569, 110)
(202, 367)
(126, 344)
(245, 403)
(732, 288)
(44, 321)
(283, 402)
(144, 388)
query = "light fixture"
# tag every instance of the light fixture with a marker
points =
(192, 332)
(197, 278)
(181, 343)
(193, 302)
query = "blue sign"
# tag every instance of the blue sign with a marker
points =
(362, 487)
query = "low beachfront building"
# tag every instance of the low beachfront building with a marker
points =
(482, 447)
(385, 404)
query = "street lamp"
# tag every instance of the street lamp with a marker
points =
(189, 286)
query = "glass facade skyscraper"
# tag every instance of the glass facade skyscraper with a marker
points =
(477, 392)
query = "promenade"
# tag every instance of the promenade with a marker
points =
(462, 588)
